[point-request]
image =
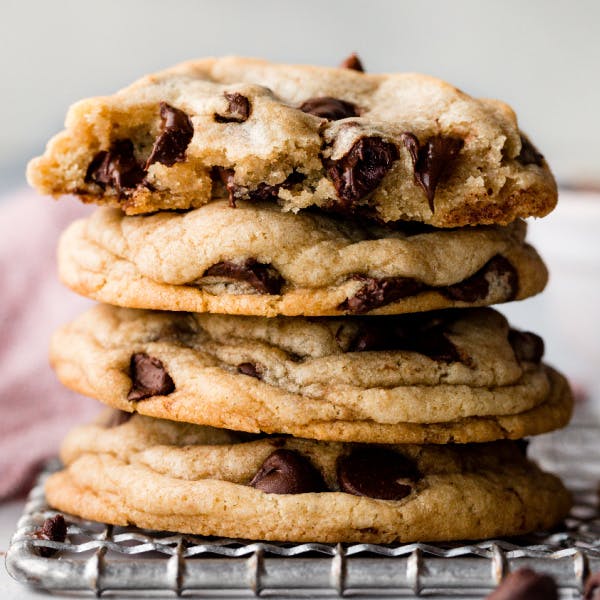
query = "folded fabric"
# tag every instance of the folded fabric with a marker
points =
(36, 410)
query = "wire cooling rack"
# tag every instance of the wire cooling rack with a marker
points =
(102, 559)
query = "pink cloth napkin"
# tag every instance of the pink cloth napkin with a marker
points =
(36, 410)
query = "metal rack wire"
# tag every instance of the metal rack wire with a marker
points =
(101, 558)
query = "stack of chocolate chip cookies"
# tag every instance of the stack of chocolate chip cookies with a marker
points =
(295, 266)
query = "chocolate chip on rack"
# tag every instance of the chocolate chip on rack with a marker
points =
(376, 473)
(477, 287)
(526, 584)
(592, 587)
(378, 292)
(431, 159)
(250, 369)
(263, 278)
(361, 169)
(287, 472)
(175, 136)
(238, 109)
(528, 346)
(149, 378)
(352, 62)
(53, 529)
(529, 153)
(116, 167)
(329, 108)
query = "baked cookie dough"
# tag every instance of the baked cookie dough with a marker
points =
(170, 476)
(258, 260)
(392, 147)
(437, 377)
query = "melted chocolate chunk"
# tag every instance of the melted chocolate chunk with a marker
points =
(250, 369)
(238, 109)
(376, 473)
(116, 168)
(329, 108)
(361, 170)
(263, 278)
(431, 159)
(262, 193)
(528, 346)
(425, 335)
(53, 529)
(529, 154)
(118, 417)
(592, 587)
(353, 62)
(287, 472)
(226, 176)
(525, 584)
(149, 378)
(175, 136)
(378, 292)
(477, 287)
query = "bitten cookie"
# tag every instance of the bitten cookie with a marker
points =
(392, 147)
(258, 260)
(169, 476)
(438, 377)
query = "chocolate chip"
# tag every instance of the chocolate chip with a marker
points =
(414, 333)
(176, 134)
(352, 62)
(116, 167)
(529, 154)
(118, 417)
(262, 193)
(263, 278)
(522, 444)
(226, 177)
(526, 584)
(53, 529)
(528, 347)
(592, 587)
(149, 378)
(287, 472)
(431, 159)
(378, 292)
(477, 287)
(376, 473)
(250, 369)
(361, 169)
(238, 109)
(329, 108)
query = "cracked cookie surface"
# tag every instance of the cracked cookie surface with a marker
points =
(171, 476)
(425, 378)
(392, 146)
(258, 260)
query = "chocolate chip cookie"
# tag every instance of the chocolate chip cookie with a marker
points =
(170, 476)
(390, 147)
(435, 377)
(259, 260)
